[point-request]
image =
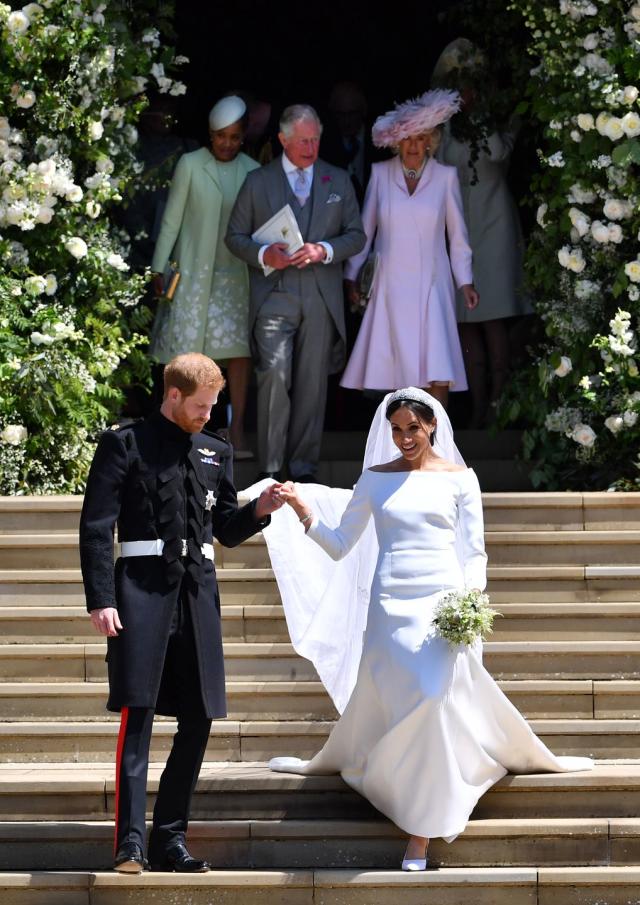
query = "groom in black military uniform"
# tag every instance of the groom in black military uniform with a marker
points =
(167, 483)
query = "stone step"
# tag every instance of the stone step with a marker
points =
(73, 700)
(447, 886)
(278, 662)
(250, 791)
(517, 622)
(506, 584)
(503, 510)
(24, 734)
(317, 844)
(520, 548)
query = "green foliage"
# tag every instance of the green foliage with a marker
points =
(72, 329)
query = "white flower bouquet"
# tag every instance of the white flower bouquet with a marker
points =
(461, 617)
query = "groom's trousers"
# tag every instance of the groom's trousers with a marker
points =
(178, 781)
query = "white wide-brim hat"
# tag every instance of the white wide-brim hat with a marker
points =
(227, 111)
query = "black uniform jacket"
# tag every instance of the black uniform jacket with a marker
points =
(157, 481)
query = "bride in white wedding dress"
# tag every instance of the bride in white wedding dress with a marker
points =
(426, 730)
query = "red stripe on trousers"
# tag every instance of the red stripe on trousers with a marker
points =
(124, 719)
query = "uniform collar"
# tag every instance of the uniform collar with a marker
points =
(169, 429)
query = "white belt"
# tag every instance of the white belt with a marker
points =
(155, 548)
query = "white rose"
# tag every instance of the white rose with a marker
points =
(632, 270)
(32, 10)
(613, 128)
(75, 194)
(601, 121)
(541, 214)
(630, 418)
(117, 261)
(586, 122)
(5, 128)
(615, 233)
(576, 136)
(563, 255)
(631, 124)
(614, 423)
(14, 434)
(634, 293)
(157, 71)
(18, 23)
(96, 130)
(591, 41)
(177, 89)
(51, 284)
(104, 165)
(41, 339)
(35, 285)
(45, 214)
(584, 435)
(76, 247)
(26, 99)
(576, 262)
(614, 209)
(579, 220)
(600, 232)
(93, 209)
(565, 367)
(630, 94)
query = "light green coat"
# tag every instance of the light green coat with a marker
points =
(189, 234)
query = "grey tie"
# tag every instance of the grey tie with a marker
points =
(301, 187)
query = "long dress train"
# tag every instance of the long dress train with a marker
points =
(426, 730)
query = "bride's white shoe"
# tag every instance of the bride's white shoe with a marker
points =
(414, 863)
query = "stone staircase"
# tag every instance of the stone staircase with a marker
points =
(564, 572)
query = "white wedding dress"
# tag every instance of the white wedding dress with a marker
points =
(426, 730)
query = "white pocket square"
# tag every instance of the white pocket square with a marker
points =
(333, 198)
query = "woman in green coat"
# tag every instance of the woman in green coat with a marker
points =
(209, 310)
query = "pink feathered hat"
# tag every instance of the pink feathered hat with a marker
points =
(415, 116)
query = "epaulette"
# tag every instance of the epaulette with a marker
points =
(123, 425)
(216, 436)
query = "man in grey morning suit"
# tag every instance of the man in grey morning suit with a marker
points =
(296, 314)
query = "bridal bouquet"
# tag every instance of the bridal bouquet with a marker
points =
(463, 616)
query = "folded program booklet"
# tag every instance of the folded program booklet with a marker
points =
(282, 227)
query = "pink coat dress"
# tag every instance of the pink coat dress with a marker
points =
(409, 335)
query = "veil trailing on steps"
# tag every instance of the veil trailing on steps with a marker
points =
(326, 602)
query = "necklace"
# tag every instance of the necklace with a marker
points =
(414, 174)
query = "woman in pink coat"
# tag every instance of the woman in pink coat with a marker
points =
(409, 334)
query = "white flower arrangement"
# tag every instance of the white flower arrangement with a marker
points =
(72, 325)
(464, 617)
(588, 79)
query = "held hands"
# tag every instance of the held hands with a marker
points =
(288, 493)
(106, 621)
(471, 296)
(269, 501)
